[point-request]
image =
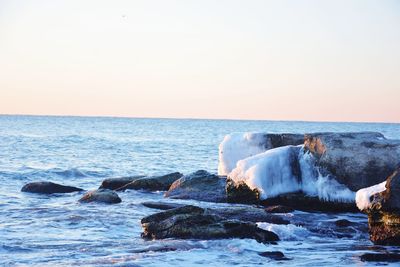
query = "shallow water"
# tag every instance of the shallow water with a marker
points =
(81, 151)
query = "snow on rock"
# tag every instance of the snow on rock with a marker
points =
(239, 146)
(288, 169)
(363, 196)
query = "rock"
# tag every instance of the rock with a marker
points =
(384, 213)
(106, 196)
(239, 146)
(247, 214)
(191, 222)
(48, 188)
(241, 213)
(156, 183)
(343, 223)
(241, 193)
(200, 185)
(279, 209)
(115, 183)
(387, 257)
(275, 255)
(301, 201)
(356, 160)
(161, 205)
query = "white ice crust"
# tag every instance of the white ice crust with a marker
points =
(363, 196)
(270, 172)
(239, 146)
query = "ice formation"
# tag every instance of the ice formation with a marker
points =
(363, 196)
(239, 146)
(270, 172)
(274, 172)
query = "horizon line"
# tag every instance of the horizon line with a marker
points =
(194, 118)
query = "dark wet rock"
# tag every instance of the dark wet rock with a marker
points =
(115, 183)
(300, 201)
(357, 160)
(155, 183)
(247, 214)
(241, 213)
(240, 193)
(275, 255)
(106, 196)
(191, 222)
(161, 205)
(384, 213)
(279, 209)
(200, 185)
(283, 139)
(343, 223)
(48, 188)
(384, 257)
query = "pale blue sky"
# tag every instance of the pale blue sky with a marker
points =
(281, 60)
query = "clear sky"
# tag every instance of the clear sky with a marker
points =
(315, 60)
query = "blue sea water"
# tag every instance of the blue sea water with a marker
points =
(82, 151)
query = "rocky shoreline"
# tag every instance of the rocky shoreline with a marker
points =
(274, 175)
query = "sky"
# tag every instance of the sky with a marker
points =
(315, 60)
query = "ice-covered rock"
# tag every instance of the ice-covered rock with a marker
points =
(382, 204)
(273, 172)
(288, 169)
(239, 146)
(357, 160)
(363, 196)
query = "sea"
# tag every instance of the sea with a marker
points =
(56, 230)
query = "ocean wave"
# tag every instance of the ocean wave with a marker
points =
(29, 172)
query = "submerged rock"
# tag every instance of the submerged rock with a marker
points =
(155, 183)
(106, 196)
(48, 188)
(356, 160)
(115, 183)
(343, 223)
(161, 205)
(384, 257)
(384, 212)
(194, 222)
(275, 255)
(200, 185)
(279, 209)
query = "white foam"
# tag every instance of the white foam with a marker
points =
(363, 196)
(271, 173)
(288, 232)
(239, 146)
